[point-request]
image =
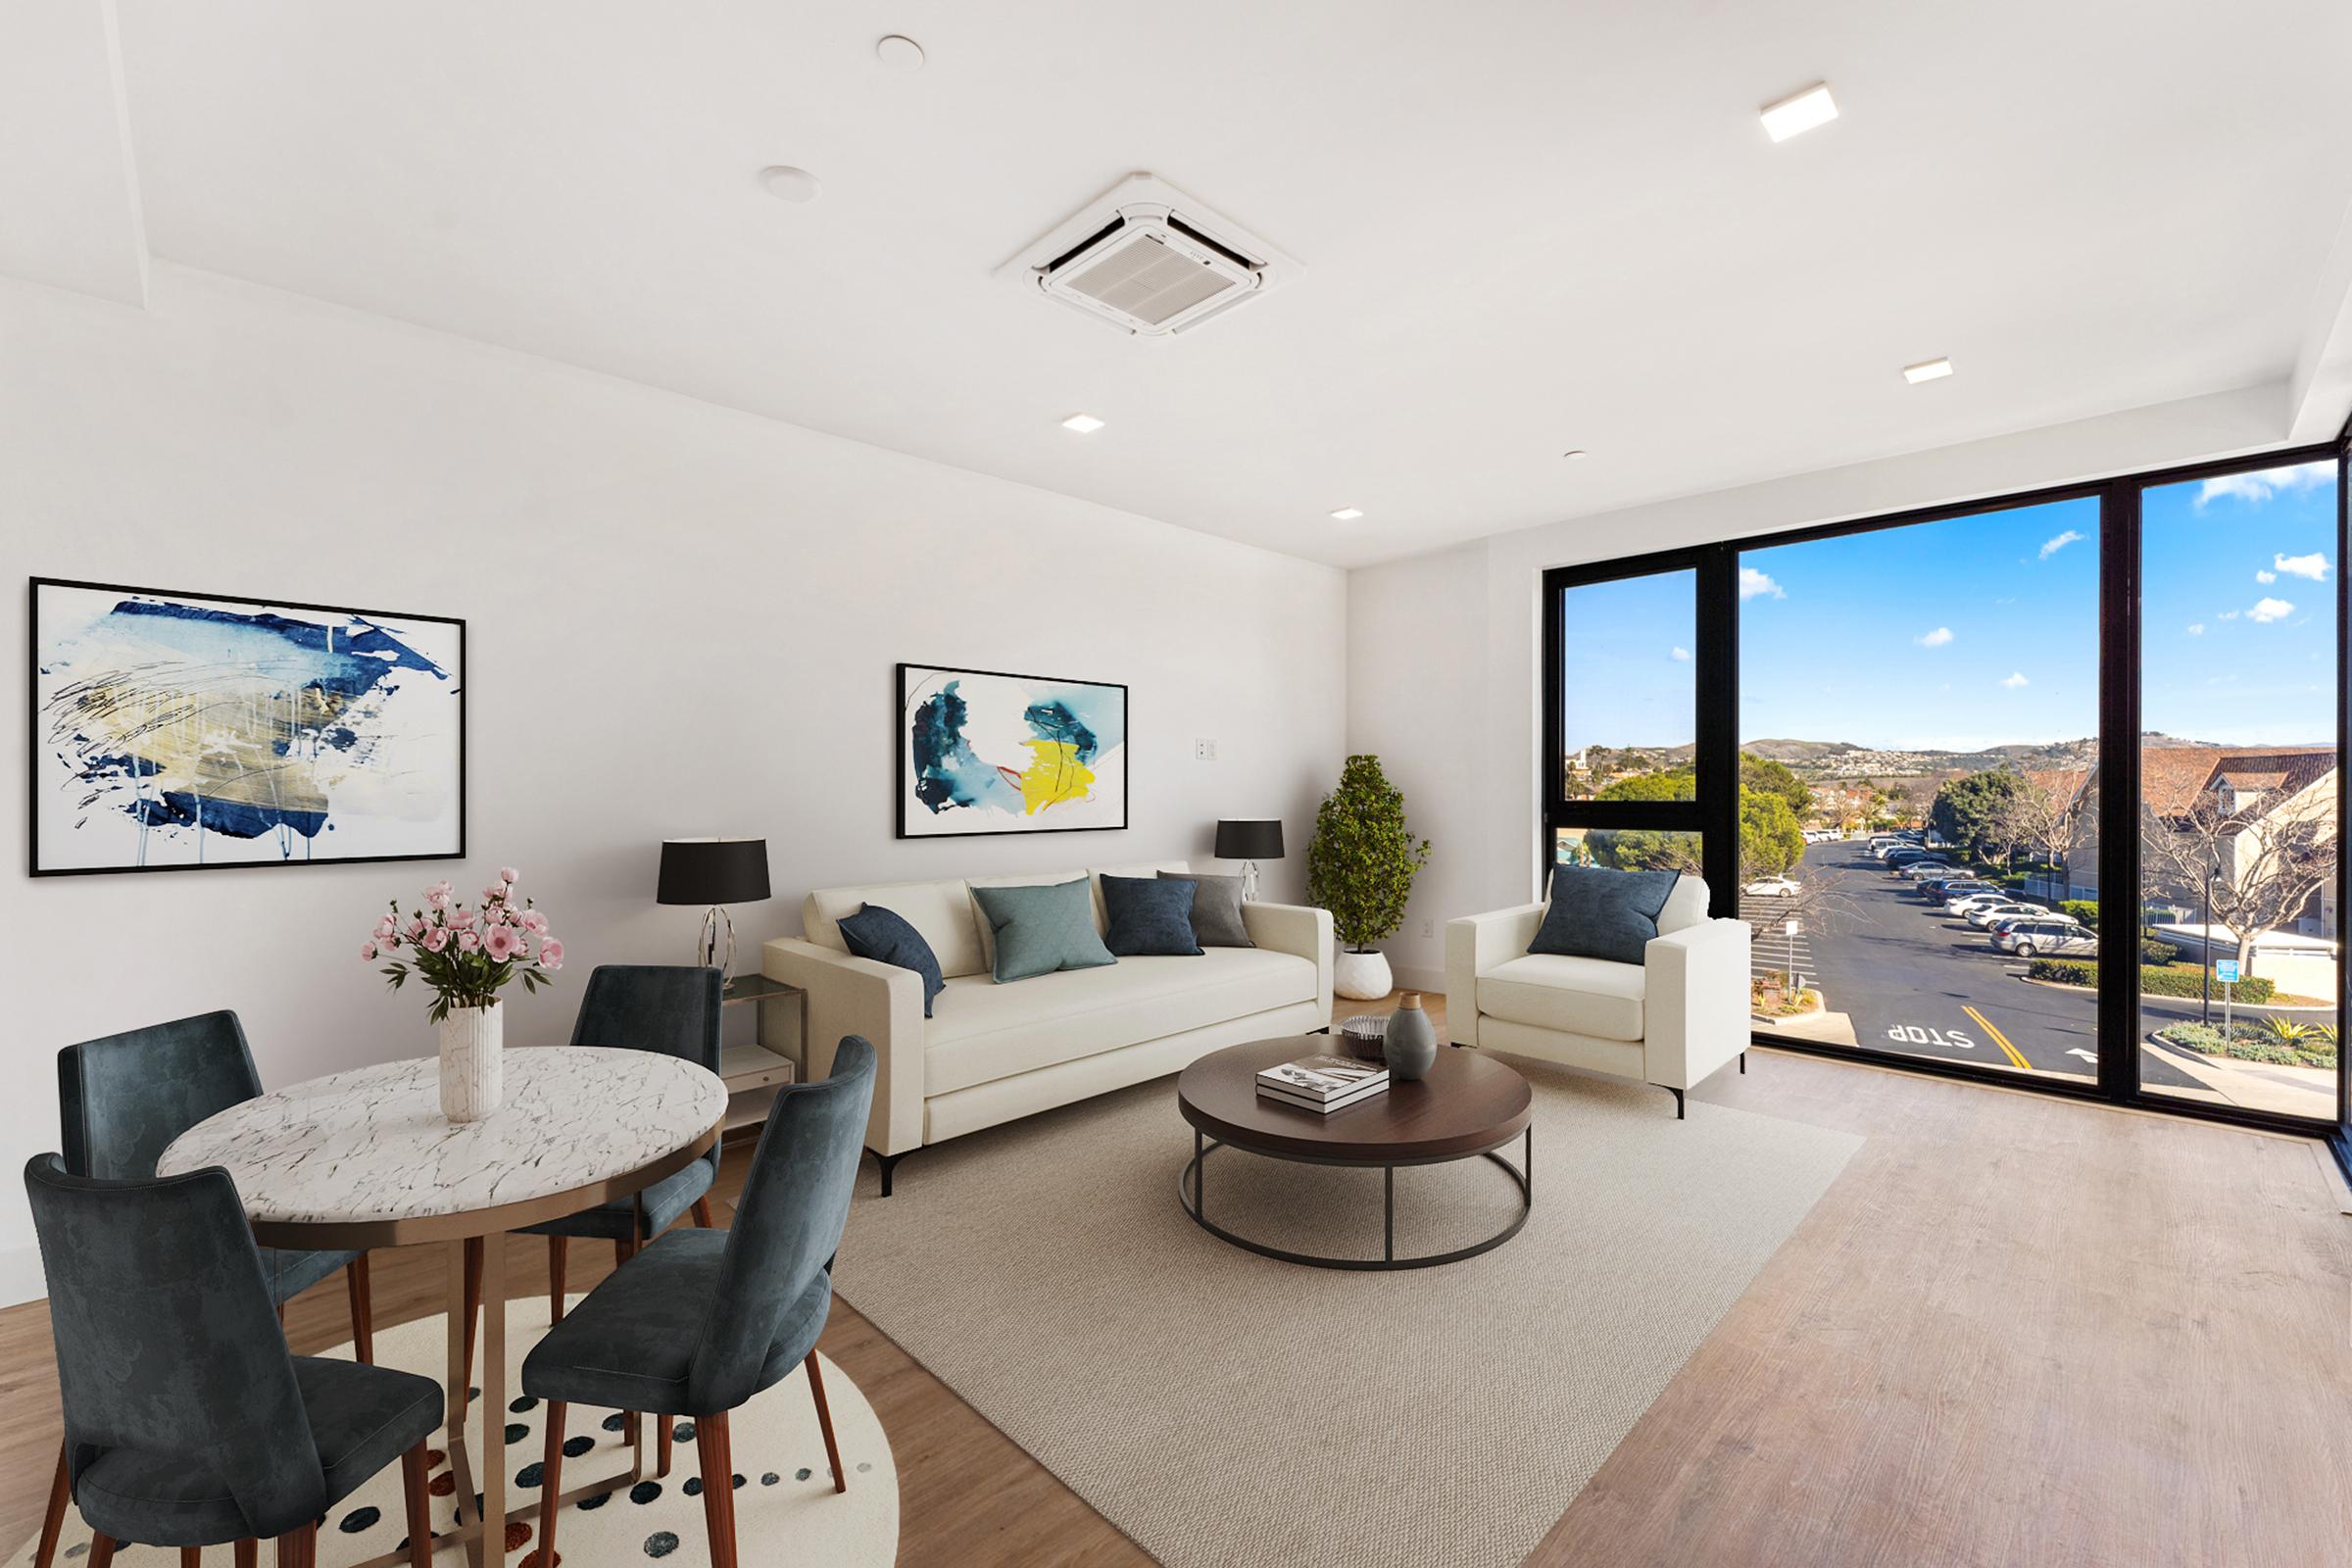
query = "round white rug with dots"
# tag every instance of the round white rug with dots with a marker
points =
(786, 1509)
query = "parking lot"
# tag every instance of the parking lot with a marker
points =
(1905, 976)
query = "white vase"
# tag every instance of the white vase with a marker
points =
(1361, 976)
(473, 1061)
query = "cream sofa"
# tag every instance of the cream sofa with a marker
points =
(1672, 1019)
(993, 1053)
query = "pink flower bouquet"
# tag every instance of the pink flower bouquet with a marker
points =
(467, 956)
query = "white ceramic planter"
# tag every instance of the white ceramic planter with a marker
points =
(473, 1061)
(1361, 976)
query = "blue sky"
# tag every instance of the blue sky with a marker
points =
(1980, 631)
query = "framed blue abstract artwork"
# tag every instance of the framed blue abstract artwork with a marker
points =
(175, 732)
(981, 751)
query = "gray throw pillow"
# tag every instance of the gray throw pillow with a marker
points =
(1599, 913)
(1217, 909)
(1042, 929)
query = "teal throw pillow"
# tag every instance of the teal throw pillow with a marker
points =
(1042, 929)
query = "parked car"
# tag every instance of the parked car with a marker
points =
(1921, 870)
(1943, 892)
(1985, 916)
(2025, 938)
(1972, 900)
(2002, 922)
(1772, 887)
(1903, 854)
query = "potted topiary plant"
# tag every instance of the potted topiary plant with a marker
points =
(1360, 866)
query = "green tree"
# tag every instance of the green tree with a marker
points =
(1361, 863)
(1673, 784)
(1772, 839)
(1765, 776)
(1981, 811)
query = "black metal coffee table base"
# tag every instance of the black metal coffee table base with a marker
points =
(1189, 1198)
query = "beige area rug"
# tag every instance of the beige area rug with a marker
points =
(1224, 1409)
(786, 1508)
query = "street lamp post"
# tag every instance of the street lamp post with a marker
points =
(2206, 944)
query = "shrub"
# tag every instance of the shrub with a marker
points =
(1361, 862)
(2174, 980)
(2086, 910)
(2158, 952)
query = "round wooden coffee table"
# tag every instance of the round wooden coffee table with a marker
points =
(1469, 1105)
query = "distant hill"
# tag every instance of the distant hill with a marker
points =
(1784, 750)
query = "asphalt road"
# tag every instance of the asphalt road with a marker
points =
(1917, 981)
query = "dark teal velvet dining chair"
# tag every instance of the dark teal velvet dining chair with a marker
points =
(123, 1099)
(701, 1320)
(188, 1422)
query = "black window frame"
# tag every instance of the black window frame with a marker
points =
(1715, 811)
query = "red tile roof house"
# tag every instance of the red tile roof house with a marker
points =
(2266, 786)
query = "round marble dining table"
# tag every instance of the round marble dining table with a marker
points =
(364, 1159)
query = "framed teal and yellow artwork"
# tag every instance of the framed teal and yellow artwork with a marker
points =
(983, 750)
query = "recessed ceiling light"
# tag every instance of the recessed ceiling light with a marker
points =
(1577, 456)
(1927, 370)
(1799, 112)
(1083, 424)
(900, 53)
(1348, 513)
(787, 183)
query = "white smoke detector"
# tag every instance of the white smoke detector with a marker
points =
(1150, 261)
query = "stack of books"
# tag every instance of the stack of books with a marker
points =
(1323, 1083)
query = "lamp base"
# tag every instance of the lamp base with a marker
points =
(716, 926)
(1249, 881)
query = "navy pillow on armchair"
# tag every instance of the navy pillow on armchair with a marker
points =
(1599, 913)
(885, 937)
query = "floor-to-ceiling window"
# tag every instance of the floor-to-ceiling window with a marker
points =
(1924, 701)
(2046, 789)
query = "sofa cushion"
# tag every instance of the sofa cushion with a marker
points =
(1685, 907)
(940, 910)
(884, 936)
(1145, 868)
(1040, 929)
(1216, 909)
(1599, 913)
(987, 935)
(1148, 917)
(984, 1032)
(1552, 991)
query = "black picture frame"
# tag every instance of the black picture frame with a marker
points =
(35, 792)
(900, 748)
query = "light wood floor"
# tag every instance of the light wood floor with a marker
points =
(2016, 1331)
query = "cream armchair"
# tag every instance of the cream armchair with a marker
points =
(1672, 1020)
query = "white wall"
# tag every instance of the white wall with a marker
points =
(683, 620)
(1472, 720)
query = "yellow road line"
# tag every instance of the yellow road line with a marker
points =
(2016, 1059)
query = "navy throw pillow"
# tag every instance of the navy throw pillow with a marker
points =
(1599, 913)
(1148, 917)
(885, 937)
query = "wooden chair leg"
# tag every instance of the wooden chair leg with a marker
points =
(299, 1548)
(418, 1507)
(52, 1521)
(666, 1430)
(825, 1420)
(191, 1557)
(473, 1299)
(702, 1213)
(551, 1485)
(363, 1309)
(558, 1278)
(102, 1551)
(249, 1554)
(623, 1251)
(718, 1487)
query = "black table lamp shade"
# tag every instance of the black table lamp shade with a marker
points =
(1248, 838)
(710, 871)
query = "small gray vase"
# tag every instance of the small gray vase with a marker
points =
(1412, 1045)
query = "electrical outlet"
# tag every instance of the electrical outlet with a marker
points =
(1429, 928)
(1205, 751)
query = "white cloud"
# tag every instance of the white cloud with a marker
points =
(2267, 610)
(2017, 680)
(1936, 639)
(2051, 546)
(2312, 566)
(1753, 584)
(2229, 615)
(2260, 487)
(2266, 577)
(1681, 652)
(2197, 630)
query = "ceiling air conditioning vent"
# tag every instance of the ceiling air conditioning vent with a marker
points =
(1150, 261)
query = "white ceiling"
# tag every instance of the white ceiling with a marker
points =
(1524, 228)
